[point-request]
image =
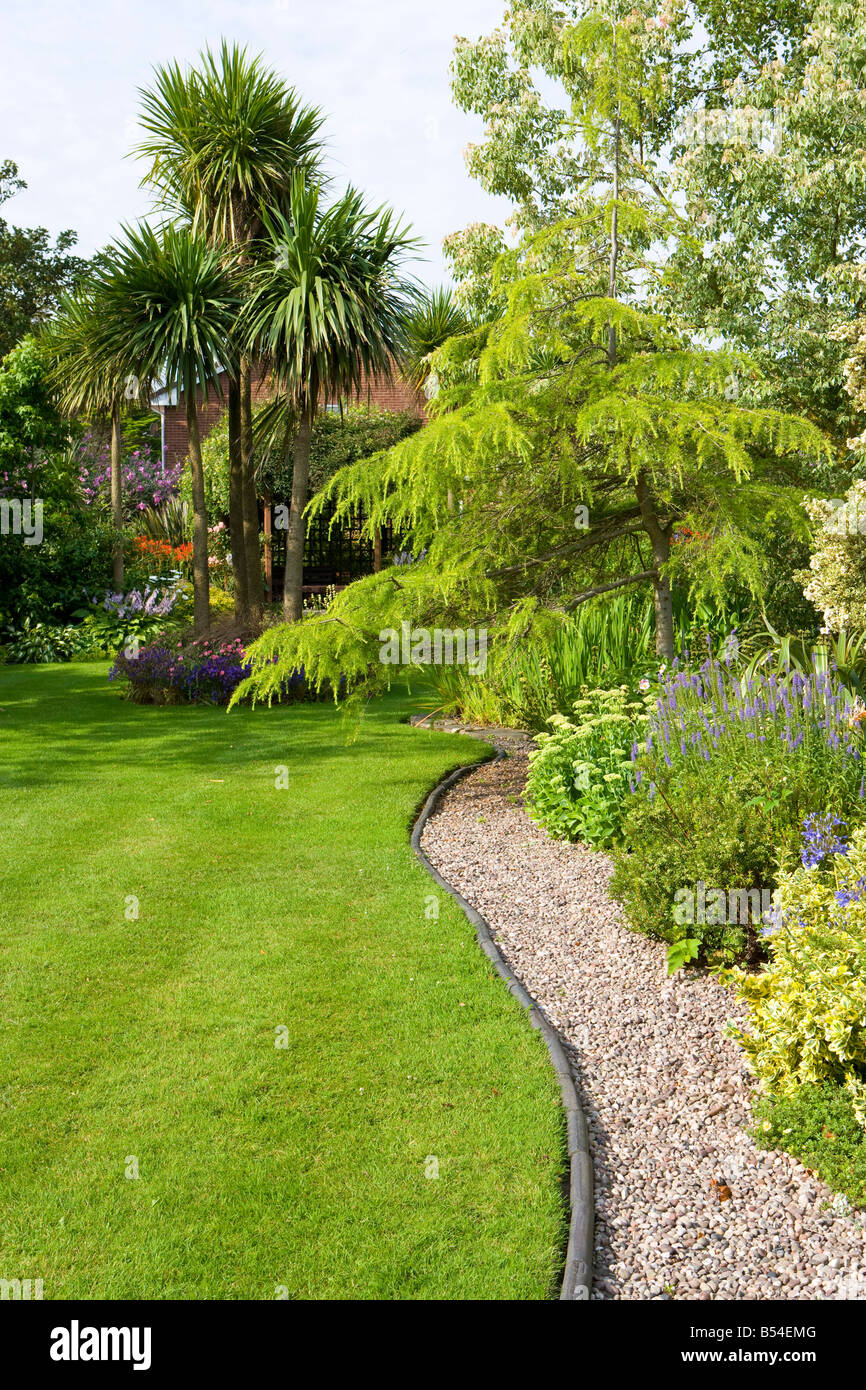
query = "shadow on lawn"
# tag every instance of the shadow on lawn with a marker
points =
(70, 720)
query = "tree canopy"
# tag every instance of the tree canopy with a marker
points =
(590, 441)
(34, 271)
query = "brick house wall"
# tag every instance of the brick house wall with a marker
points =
(395, 395)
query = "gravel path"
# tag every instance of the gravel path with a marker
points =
(664, 1091)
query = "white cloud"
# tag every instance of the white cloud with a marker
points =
(380, 72)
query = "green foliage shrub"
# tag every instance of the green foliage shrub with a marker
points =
(818, 1126)
(785, 605)
(807, 1008)
(579, 773)
(705, 827)
(48, 582)
(731, 766)
(44, 582)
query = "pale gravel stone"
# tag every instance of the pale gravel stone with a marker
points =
(665, 1092)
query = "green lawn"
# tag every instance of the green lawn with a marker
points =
(152, 1041)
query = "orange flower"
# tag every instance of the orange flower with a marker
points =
(164, 549)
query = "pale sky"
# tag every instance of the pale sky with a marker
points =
(70, 73)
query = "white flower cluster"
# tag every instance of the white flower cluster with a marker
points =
(837, 585)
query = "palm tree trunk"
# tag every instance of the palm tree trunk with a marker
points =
(236, 508)
(200, 576)
(293, 592)
(252, 548)
(117, 499)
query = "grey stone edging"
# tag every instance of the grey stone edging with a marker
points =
(577, 1275)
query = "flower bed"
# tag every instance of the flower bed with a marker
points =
(163, 552)
(203, 671)
(147, 482)
(128, 620)
(730, 767)
(724, 767)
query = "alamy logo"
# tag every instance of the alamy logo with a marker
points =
(719, 907)
(76, 1343)
(846, 517)
(747, 125)
(21, 519)
(21, 1290)
(422, 646)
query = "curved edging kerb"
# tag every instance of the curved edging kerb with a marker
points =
(577, 1277)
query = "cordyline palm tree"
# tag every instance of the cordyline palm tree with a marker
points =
(224, 141)
(431, 322)
(169, 302)
(85, 383)
(327, 309)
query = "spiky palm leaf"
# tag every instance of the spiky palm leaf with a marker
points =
(168, 302)
(225, 139)
(84, 380)
(328, 304)
(327, 310)
(433, 320)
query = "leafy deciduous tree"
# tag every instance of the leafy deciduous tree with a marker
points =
(33, 272)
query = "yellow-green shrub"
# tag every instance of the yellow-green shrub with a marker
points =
(807, 1008)
(220, 601)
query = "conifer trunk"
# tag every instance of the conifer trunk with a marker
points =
(660, 541)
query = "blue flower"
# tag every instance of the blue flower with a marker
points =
(845, 896)
(820, 839)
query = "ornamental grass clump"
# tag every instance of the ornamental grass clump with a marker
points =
(807, 1009)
